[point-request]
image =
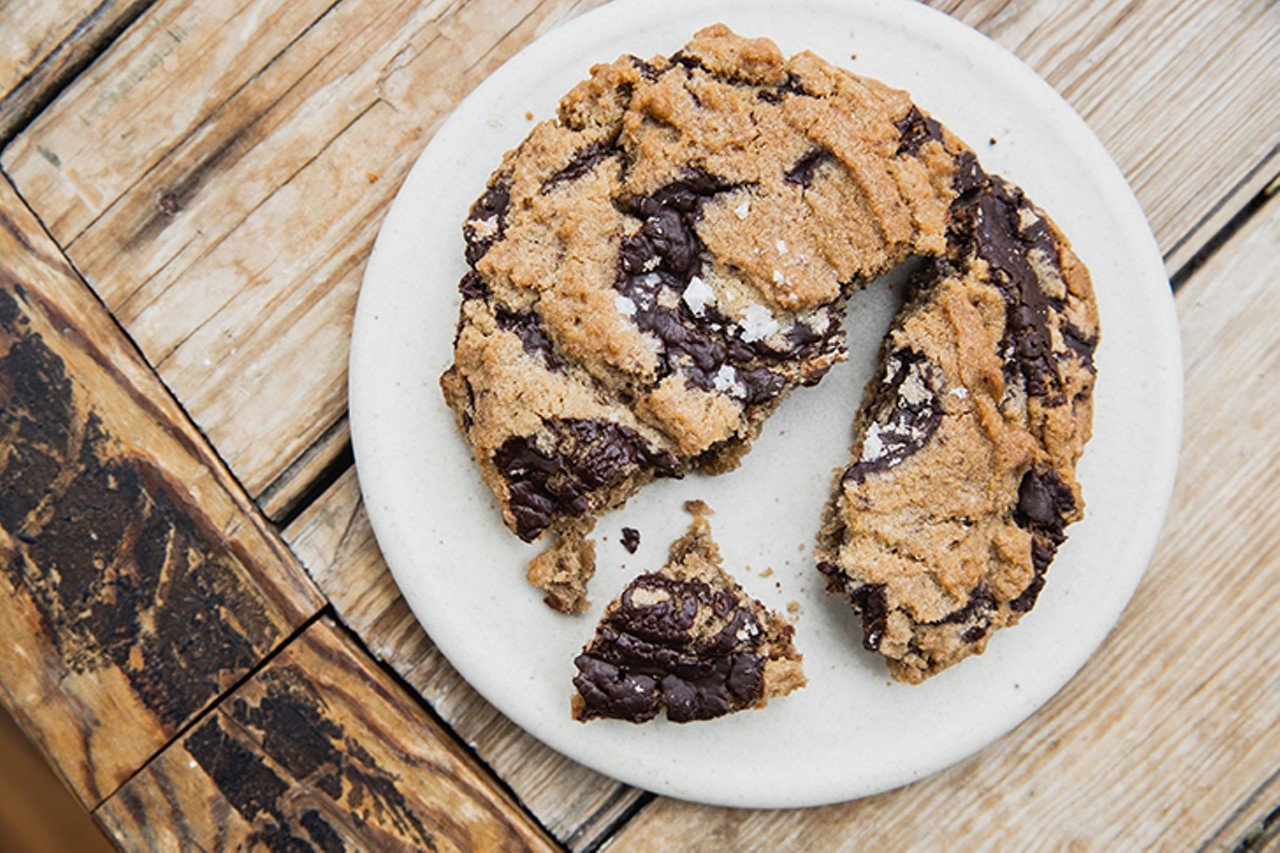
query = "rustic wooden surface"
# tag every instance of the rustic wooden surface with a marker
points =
(320, 749)
(138, 580)
(47, 44)
(165, 143)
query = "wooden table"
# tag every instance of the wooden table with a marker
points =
(198, 629)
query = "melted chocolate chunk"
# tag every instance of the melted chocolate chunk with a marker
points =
(916, 129)
(872, 604)
(1002, 228)
(802, 172)
(775, 94)
(583, 162)
(552, 473)
(1043, 501)
(630, 539)
(646, 655)
(490, 206)
(1043, 504)
(528, 327)
(905, 411)
(659, 260)
(647, 71)
(977, 611)
(1080, 344)
(472, 286)
(968, 177)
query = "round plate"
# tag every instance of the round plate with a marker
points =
(852, 731)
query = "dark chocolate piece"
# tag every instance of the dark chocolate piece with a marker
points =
(646, 655)
(1080, 344)
(916, 129)
(582, 163)
(472, 286)
(990, 219)
(528, 327)
(553, 473)
(664, 255)
(802, 172)
(630, 539)
(904, 414)
(1044, 501)
(870, 602)
(492, 205)
(976, 613)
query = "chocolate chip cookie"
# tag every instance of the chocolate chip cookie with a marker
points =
(688, 639)
(942, 527)
(655, 269)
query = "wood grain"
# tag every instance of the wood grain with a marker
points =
(211, 131)
(319, 750)
(334, 541)
(1170, 736)
(45, 44)
(137, 581)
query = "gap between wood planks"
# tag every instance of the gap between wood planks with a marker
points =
(329, 612)
(61, 80)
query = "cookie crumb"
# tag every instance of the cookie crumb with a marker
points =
(793, 607)
(564, 570)
(630, 539)
(698, 508)
(767, 572)
(991, 141)
(371, 176)
(528, 116)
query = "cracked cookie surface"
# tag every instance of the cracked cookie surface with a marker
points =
(686, 639)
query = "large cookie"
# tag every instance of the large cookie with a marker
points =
(687, 639)
(655, 269)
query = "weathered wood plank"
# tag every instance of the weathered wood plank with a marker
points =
(137, 581)
(1173, 724)
(212, 131)
(319, 750)
(46, 43)
(334, 541)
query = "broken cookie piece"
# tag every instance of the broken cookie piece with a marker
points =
(564, 570)
(942, 527)
(688, 639)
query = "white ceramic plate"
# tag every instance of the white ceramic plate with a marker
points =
(853, 731)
